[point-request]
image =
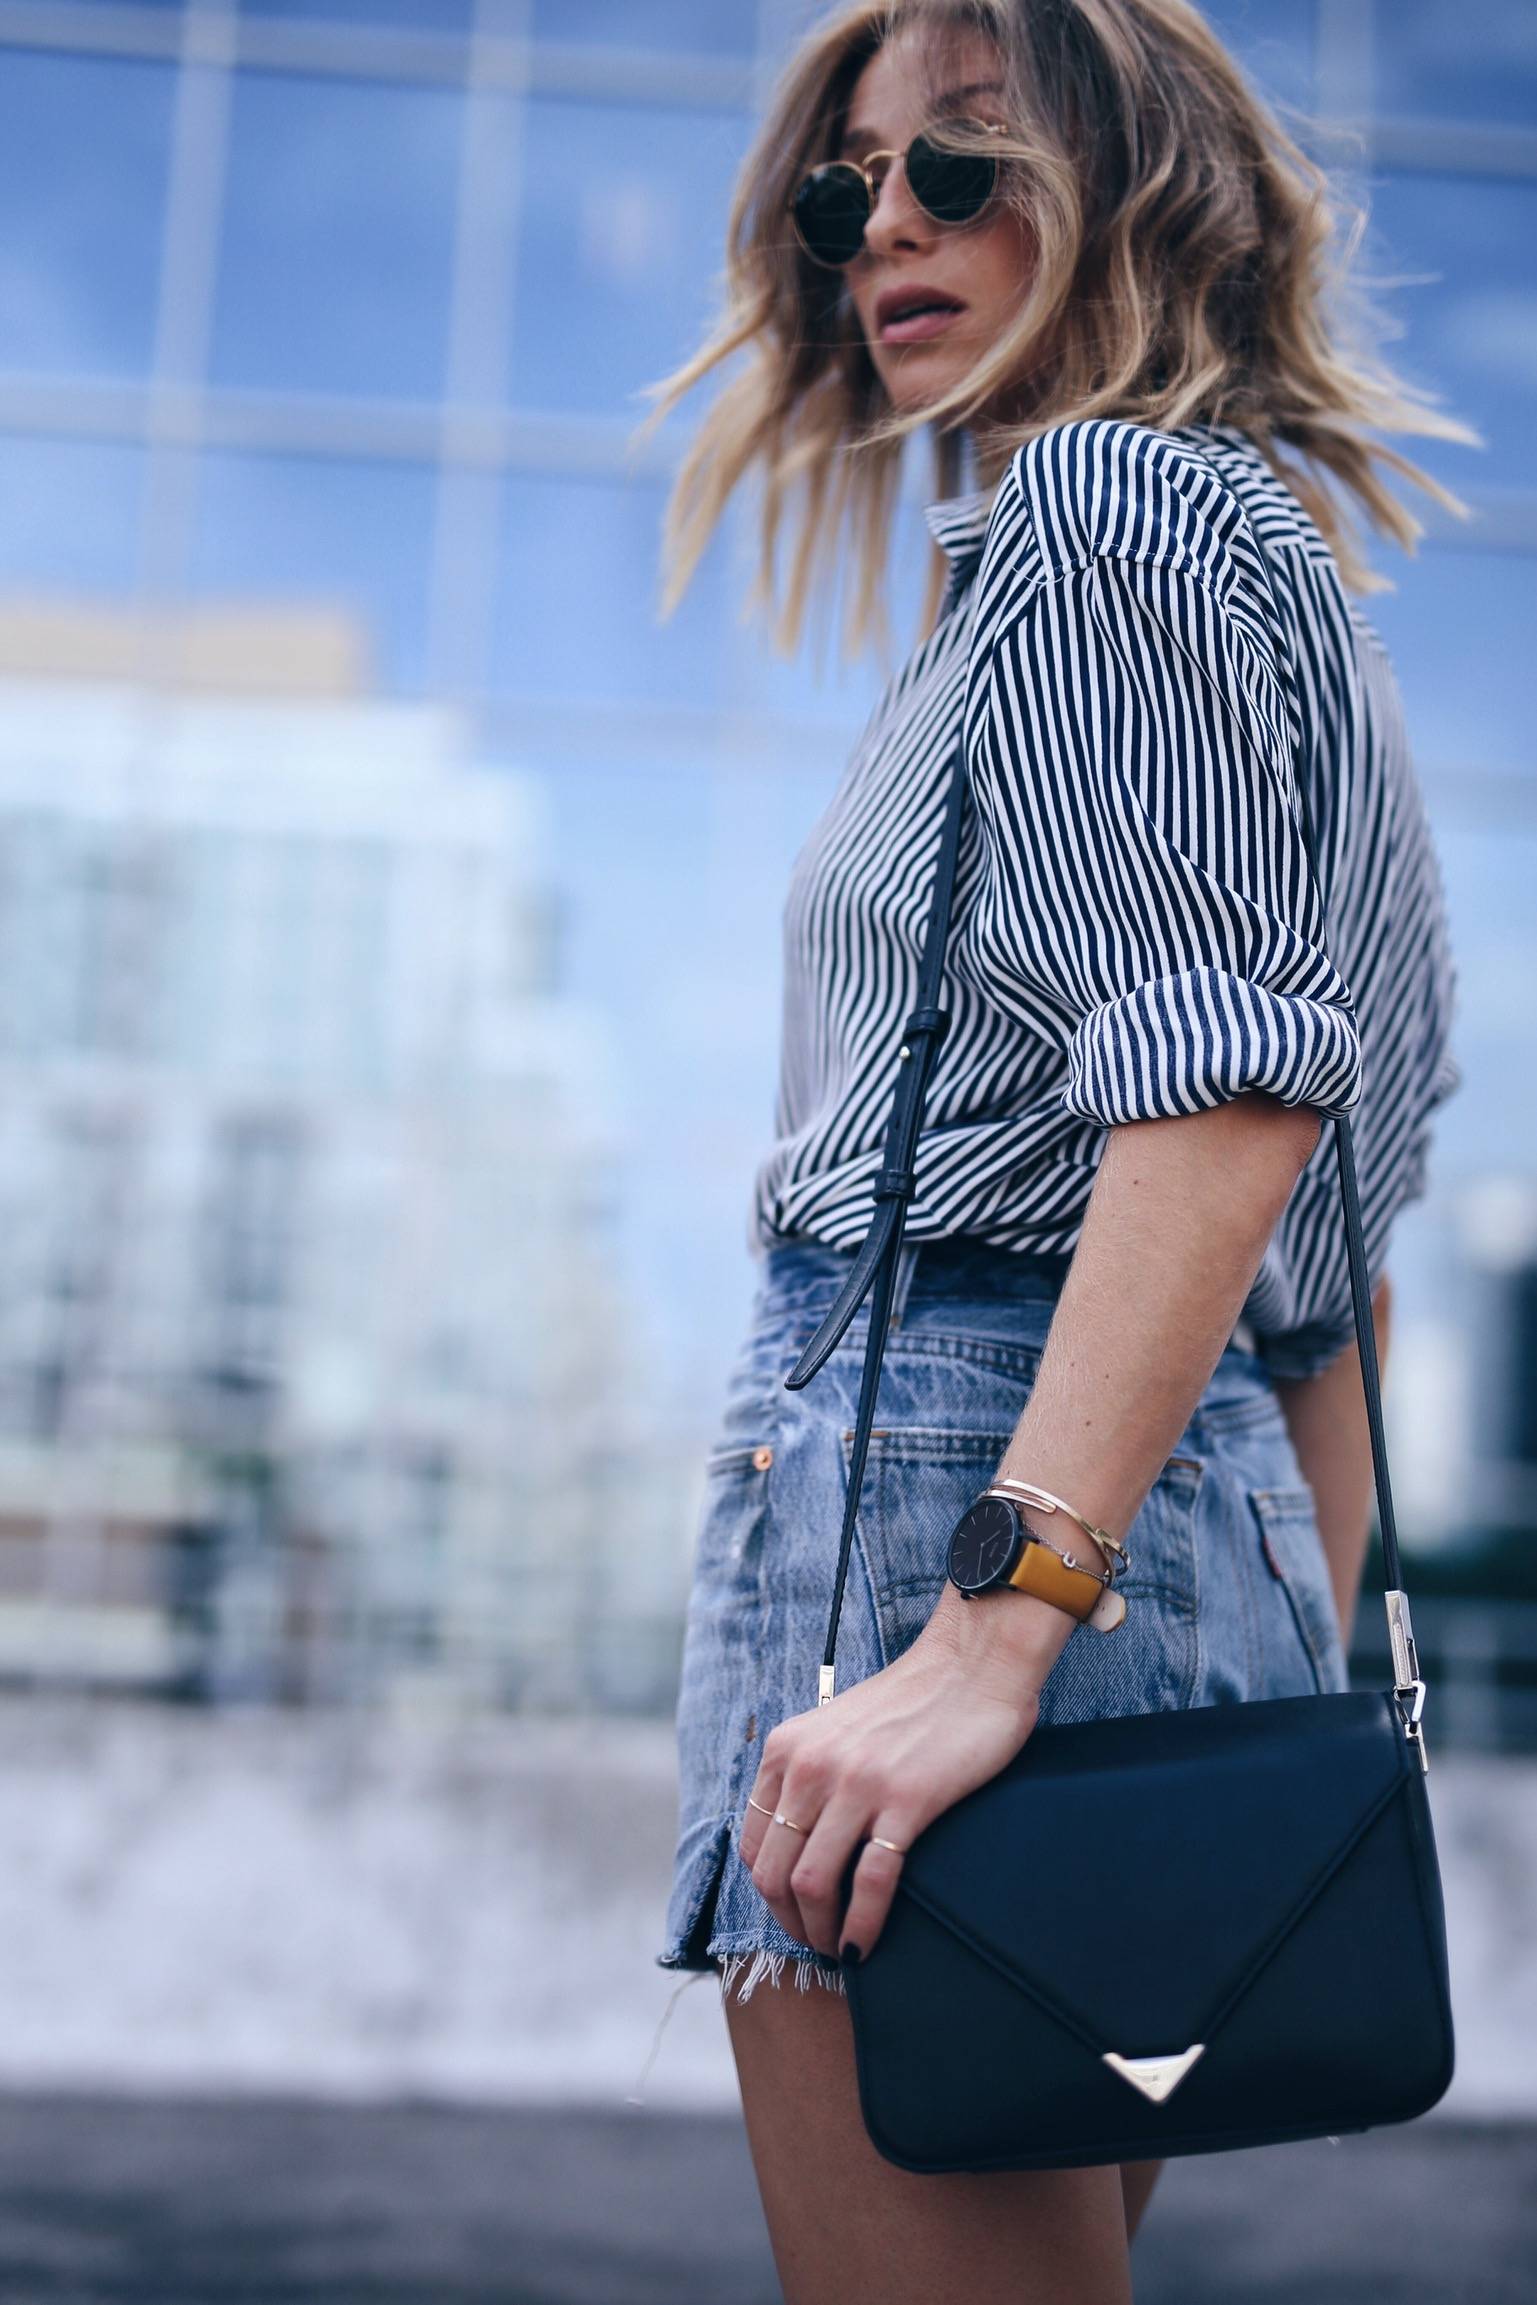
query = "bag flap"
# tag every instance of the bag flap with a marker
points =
(1135, 1873)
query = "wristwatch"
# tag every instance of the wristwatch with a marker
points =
(992, 1547)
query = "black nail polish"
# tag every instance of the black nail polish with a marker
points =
(852, 1954)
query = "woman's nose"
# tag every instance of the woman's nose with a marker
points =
(896, 216)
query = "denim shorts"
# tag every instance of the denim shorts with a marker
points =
(1228, 1593)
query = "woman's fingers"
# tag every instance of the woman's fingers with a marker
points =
(884, 1758)
(755, 1825)
(770, 1870)
(875, 1884)
(820, 1868)
(776, 1849)
(836, 1800)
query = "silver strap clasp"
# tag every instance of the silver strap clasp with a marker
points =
(1407, 1683)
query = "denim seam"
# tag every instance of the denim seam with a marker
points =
(980, 1352)
(1235, 1416)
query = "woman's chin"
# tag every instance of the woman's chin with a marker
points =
(908, 394)
(916, 376)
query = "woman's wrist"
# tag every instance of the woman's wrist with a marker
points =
(1003, 1630)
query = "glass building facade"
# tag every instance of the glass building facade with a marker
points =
(339, 314)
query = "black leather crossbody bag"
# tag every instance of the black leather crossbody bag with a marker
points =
(1160, 1933)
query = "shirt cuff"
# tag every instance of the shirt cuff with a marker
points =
(1182, 1044)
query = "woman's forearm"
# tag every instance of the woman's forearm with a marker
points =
(1326, 1415)
(1177, 1223)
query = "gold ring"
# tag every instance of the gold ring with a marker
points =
(758, 1805)
(781, 1819)
(901, 1852)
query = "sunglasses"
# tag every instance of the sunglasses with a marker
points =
(831, 205)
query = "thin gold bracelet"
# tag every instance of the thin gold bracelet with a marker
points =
(1111, 1550)
(1100, 1576)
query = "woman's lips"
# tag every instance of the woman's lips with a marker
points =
(920, 325)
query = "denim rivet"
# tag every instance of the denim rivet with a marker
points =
(762, 1459)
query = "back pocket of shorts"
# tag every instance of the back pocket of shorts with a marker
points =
(1293, 1555)
(919, 1480)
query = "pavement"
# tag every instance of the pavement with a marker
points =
(122, 2202)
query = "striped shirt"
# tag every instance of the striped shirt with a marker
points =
(1137, 931)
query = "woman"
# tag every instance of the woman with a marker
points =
(1125, 1277)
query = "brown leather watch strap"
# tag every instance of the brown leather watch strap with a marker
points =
(1042, 1571)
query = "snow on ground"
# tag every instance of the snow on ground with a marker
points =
(359, 1908)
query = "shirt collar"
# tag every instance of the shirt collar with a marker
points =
(958, 524)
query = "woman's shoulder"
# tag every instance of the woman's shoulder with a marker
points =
(1108, 488)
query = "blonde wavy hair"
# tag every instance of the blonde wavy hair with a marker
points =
(1193, 265)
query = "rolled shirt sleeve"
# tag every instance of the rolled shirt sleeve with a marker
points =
(1148, 893)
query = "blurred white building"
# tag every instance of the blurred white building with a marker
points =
(313, 1365)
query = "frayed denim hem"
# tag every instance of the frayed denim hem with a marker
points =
(764, 1964)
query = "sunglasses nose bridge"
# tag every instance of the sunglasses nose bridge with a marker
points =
(875, 192)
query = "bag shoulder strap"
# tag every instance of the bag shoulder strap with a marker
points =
(1406, 1669)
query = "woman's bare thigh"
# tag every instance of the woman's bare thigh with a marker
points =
(847, 2225)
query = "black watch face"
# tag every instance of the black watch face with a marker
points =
(982, 1544)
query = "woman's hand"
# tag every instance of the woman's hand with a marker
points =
(887, 1756)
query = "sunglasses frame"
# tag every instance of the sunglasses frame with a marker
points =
(872, 189)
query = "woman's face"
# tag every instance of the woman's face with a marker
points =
(984, 266)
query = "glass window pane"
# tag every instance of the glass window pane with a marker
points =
(1459, 630)
(1476, 61)
(84, 162)
(71, 521)
(1274, 42)
(414, 15)
(577, 610)
(703, 848)
(704, 27)
(816, 685)
(623, 229)
(1470, 331)
(346, 538)
(1490, 1125)
(338, 239)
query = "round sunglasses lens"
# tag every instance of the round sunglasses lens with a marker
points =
(831, 209)
(953, 186)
